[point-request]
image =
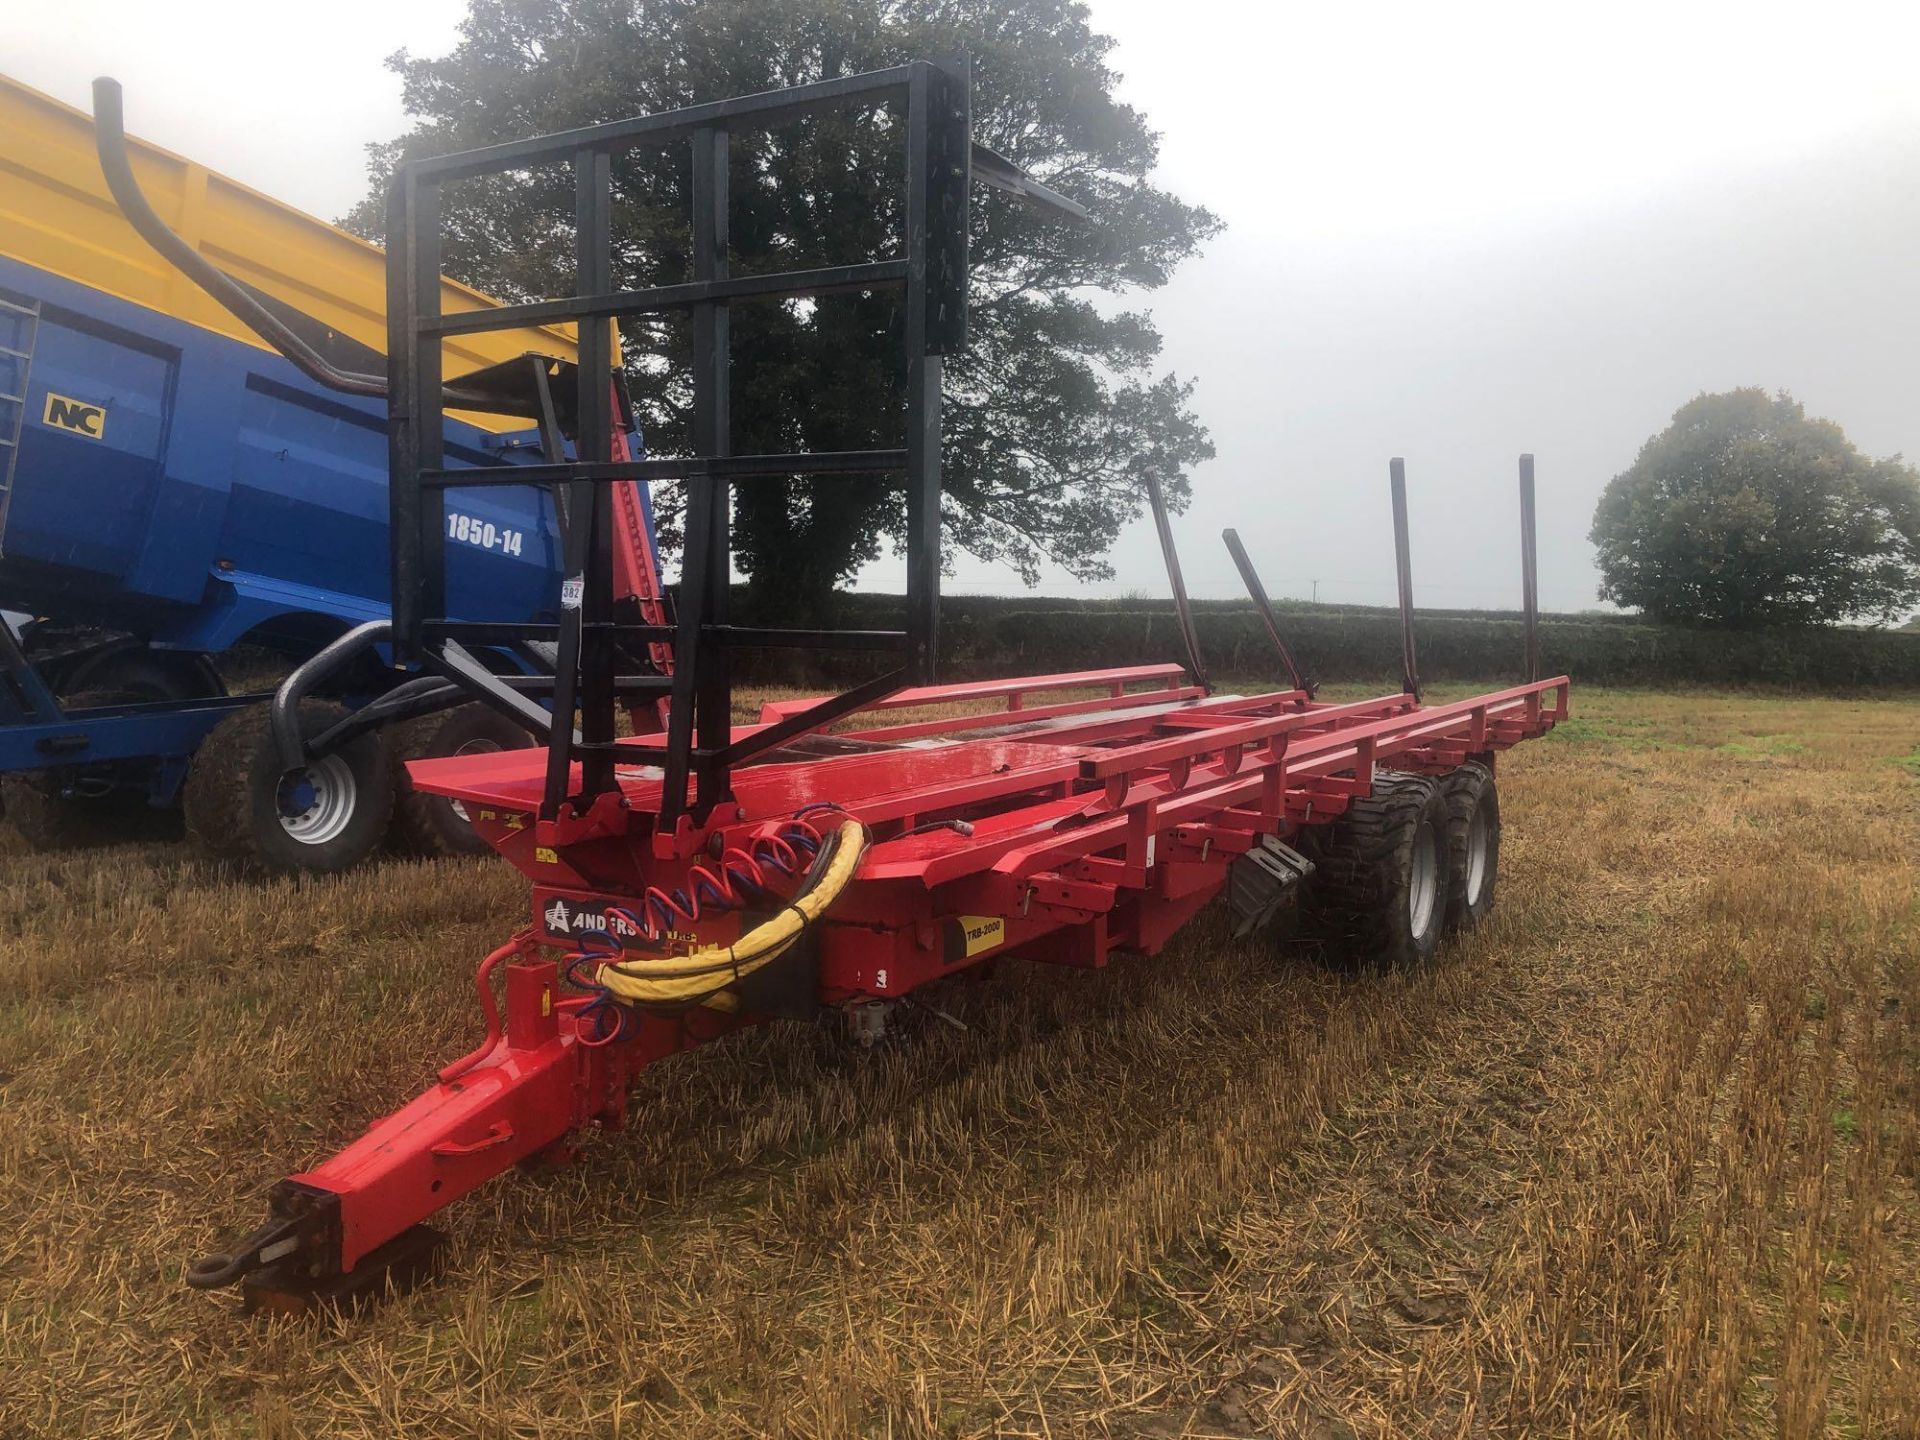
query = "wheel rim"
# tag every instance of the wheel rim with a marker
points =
(1479, 854)
(316, 803)
(476, 746)
(1424, 884)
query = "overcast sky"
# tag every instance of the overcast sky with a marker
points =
(1453, 233)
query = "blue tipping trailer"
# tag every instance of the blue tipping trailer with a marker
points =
(170, 491)
(200, 493)
(168, 494)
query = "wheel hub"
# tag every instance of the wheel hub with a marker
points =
(1423, 888)
(316, 803)
(1478, 834)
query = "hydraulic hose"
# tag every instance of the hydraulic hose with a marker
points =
(693, 978)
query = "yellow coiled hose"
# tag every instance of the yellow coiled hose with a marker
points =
(697, 978)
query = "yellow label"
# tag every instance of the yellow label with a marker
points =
(515, 820)
(75, 415)
(545, 855)
(546, 1002)
(982, 932)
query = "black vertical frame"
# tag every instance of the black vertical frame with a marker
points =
(415, 430)
(713, 436)
(924, 375)
(939, 131)
(1176, 581)
(404, 493)
(931, 272)
(593, 275)
(1263, 607)
(700, 718)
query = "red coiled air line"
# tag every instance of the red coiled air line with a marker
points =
(659, 909)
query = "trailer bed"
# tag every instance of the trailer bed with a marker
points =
(1125, 812)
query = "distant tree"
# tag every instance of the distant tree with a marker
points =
(1055, 413)
(1745, 512)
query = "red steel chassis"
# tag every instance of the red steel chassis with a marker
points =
(1087, 813)
(1089, 824)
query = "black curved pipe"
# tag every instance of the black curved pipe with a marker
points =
(283, 714)
(110, 140)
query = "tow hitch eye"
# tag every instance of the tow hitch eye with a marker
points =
(302, 1239)
(210, 1272)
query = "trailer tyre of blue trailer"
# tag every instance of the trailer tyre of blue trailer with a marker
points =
(80, 806)
(138, 674)
(243, 806)
(67, 807)
(433, 824)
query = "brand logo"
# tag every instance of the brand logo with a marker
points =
(563, 921)
(75, 415)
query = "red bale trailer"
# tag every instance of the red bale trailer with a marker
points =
(844, 852)
(1062, 832)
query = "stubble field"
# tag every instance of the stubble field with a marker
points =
(1637, 1158)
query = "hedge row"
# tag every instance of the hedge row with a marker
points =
(982, 636)
(1367, 647)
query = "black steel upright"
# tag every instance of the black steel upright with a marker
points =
(1176, 582)
(1263, 607)
(1403, 574)
(931, 98)
(1529, 569)
(702, 689)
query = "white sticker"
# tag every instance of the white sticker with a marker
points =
(570, 593)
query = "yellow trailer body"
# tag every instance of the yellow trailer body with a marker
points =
(56, 214)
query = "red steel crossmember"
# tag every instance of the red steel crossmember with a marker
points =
(635, 571)
(636, 575)
(1090, 826)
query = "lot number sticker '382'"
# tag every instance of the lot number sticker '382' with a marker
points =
(485, 534)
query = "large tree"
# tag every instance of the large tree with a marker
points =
(1745, 512)
(1055, 414)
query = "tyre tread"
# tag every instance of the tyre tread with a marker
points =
(1463, 788)
(1354, 901)
(421, 822)
(221, 796)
